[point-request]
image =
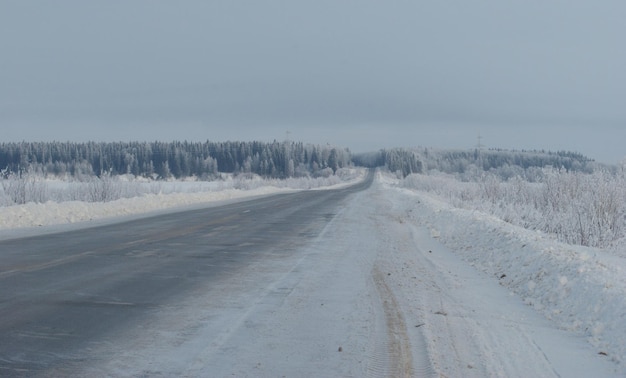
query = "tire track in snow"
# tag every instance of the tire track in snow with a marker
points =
(408, 348)
(398, 355)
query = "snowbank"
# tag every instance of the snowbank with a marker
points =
(51, 213)
(581, 289)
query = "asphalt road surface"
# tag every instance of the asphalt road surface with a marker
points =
(63, 296)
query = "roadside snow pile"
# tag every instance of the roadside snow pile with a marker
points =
(51, 213)
(582, 289)
(170, 195)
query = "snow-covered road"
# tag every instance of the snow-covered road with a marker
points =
(386, 289)
(374, 295)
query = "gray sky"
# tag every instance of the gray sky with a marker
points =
(364, 74)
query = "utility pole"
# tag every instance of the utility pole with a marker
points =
(479, 147)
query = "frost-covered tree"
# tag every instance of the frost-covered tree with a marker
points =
(171, 159)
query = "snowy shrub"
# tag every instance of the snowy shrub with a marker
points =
(585, 209)
(579, 208)
(16, 190)
(326, 172)
(104, 189)
(23, 188)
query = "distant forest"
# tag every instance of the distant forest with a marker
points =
(504, 163)
(172, 159)
(162, 160)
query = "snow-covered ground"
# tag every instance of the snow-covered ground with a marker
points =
(399, 283)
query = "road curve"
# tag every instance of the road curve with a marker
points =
(64, 295)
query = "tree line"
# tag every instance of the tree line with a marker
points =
(503, 163)
(172, 159)
(273, 160)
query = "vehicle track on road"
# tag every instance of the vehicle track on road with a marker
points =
(398, 346)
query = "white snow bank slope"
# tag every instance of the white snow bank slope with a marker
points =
(581, 289)
(51, 213)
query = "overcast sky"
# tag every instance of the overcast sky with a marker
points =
(365, 74)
